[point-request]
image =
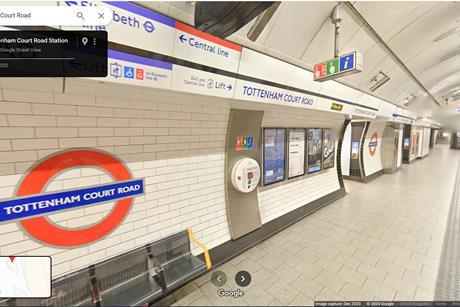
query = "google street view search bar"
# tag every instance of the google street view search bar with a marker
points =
(54, 16)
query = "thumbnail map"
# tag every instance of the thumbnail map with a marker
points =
(25, 277)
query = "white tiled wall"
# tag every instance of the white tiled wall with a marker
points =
(175, 141)
(373, 164)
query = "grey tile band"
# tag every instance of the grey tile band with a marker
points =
(448, 283)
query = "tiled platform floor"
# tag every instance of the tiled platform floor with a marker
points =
(382, 241)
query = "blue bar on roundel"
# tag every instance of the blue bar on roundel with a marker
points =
(28, 206)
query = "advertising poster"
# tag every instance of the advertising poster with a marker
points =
(274, 155)
(414, 148)
(315, 151)
(296, 155)
(406, 143)
(355, 150)
(328, 149)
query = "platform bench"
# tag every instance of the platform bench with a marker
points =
(138, 277)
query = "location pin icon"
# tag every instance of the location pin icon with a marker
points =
(84, 40)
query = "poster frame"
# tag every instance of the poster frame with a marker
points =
(304, 151)
(322, 150)
(263, 156)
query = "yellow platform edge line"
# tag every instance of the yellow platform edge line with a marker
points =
(201, 245)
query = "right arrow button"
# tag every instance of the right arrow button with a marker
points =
(243, 278)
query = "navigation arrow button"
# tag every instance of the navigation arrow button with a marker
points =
(243, 278)
(218, 278)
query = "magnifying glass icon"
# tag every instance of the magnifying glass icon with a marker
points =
(80, 15)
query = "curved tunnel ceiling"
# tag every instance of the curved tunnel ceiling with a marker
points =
(424, 35)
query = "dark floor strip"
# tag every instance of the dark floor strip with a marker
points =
(448, 283)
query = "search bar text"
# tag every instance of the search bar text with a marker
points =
(54, 16)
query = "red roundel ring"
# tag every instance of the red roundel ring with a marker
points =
(38, 177)
(373, 144)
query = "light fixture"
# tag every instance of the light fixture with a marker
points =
(450, 55)
(446, 34)
(456, 92)
(408, 99)
(379, 80)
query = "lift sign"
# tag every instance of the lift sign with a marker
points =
(338, 67)
(31, 203)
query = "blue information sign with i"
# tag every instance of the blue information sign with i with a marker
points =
(347, 62)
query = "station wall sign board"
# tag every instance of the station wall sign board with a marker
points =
(338, 67)
(31, 204)
(178, 57)
(203, 48)
(363, 112)
(136, 70)
(247, 90)
(400, 119)
(186, 79)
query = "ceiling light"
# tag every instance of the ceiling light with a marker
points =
(455, 92)
(446, 34)
(408, 99)
(450, 55)
(379, 80)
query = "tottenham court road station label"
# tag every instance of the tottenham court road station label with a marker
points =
(338, 67)
(31, 204)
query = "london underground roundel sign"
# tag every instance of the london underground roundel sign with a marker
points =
(32, 203)
(373, 144)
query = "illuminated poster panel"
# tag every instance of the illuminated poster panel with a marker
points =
(328, 149)
(296, 156)
(414, 144)
(314, 137)
(406, 143)
(274, 155)
(354, 150)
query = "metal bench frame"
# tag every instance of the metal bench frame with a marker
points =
(146, 272)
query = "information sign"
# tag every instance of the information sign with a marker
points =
(296, 157)
(274, 155)
(338, 67)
